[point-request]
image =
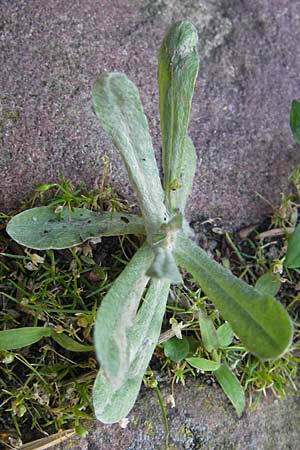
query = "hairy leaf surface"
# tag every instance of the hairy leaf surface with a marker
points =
(117, 105)
(116, 315)
(177, 71)
(41, 228)
(112, 403)
(258, 319)
(180, 195)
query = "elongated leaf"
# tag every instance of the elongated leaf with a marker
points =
(295, 120)
(117, 105)
(69, 344)
(208, 332)
(21, 337)
(177, 71)
(232, 387)
(110, 403)
(258, 319)
(292, 260)
(116, 315)
(206, 365)
(41, 228)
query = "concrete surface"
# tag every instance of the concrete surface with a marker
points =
(202, 420)
(52, 51)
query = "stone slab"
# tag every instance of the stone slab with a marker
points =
(203, 419)
(52, 51)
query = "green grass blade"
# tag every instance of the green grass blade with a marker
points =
(113, 403)
(295, 120)
(117, 105)
(42, 229)
(258, 319)
(21, 337)
(178, 64)
(116, 315)
(232, 387)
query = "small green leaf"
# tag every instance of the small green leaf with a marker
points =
(177, 71)
(177, 349)
(292, 260)
(268, 283)
(295, 120)
(118, 107)
(258, 319)
(232, 387)
(203, 364)
(69, 344)
(42, 229)
(112, 403)
(225, 335)
(208, 332)
(21, 337)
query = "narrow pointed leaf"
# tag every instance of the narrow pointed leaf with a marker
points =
(41, 228)
(258, 319)
(117, 105)
(21, 337)
(292, 260)
(110, 403)
(208, 333)
(70, 344)
(116, 315)
(206, 365)
(295, 120)
(177, 71)
(232, 387)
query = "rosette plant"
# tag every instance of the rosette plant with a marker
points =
(129, 318)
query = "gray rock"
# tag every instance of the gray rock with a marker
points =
(202, 419)
(52, 51)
